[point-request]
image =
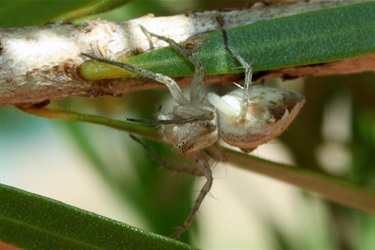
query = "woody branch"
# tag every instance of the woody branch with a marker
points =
(42, 63)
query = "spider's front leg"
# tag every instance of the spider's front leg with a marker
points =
(169, 82)
(196, 85)
(165, 164)
(205, 169)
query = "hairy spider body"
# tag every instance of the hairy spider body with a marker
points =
(246, 117)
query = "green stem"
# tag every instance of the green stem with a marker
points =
(331, 188)
(140, 129)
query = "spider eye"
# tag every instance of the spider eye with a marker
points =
(181, 144)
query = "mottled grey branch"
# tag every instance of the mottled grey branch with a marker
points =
(41, 63)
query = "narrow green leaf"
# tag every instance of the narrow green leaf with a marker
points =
(25, 13)
(34, 222)
(308, 38)
(89, 8)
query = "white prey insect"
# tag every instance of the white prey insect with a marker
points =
(245, 118)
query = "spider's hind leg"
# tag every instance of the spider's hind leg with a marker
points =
(248, 76)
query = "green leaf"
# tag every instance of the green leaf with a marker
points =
(308, 38)
(25, 13)
(34, 222)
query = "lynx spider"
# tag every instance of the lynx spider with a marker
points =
(245, 118)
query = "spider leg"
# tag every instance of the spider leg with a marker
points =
(171, 84)
(196, 85)
(203, 117)
(165, 164)
(204, 168)
(248, 76)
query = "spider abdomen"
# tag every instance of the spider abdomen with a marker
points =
(270, 111)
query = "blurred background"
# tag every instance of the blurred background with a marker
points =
(102, 170)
